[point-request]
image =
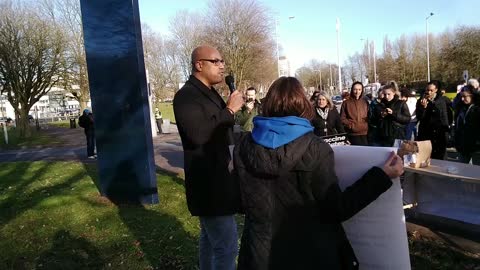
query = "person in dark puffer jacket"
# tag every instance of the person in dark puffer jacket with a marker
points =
(290, 194)
(394, 117)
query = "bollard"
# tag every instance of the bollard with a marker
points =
(73, 124)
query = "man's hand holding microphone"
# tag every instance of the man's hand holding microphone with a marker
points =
(235, 101)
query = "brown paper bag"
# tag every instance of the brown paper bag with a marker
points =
(415, 154)
(423, 156)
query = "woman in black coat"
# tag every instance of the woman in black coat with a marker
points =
(327, 119)
(290, 195)
(467, 128)
(395, 116)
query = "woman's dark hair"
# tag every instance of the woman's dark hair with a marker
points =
(314, 95)
(353, 85)
(469, 89)
(251, 88)
(435, 83)
(406, 92)
(286, 97)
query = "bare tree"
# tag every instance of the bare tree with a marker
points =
(31, 49)
(162, 63)
(242, 30)
(187, 29)
(74, 79)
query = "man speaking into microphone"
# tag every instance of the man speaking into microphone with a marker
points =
(205, 125)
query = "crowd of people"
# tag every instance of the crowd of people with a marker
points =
(397, 114)
(280, 175)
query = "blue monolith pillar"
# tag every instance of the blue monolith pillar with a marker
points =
(119, 94)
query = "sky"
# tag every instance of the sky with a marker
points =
(312, 35)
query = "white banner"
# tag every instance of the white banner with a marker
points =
(377, 233)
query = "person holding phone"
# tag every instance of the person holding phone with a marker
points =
(433, 120)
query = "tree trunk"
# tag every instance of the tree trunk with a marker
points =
(83, 105)
(23, 124)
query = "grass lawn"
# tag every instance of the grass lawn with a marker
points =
(451, 96)
(38, 138)
(167, 111)
(62, 123)
(52, 217)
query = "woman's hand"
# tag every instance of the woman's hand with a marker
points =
(393, 167)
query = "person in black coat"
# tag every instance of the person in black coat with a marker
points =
(290, 194)
(86, 122)
(433, 120)
(393, 118)
(205, 126)
(375, 109)
(467, 128)
(327, 119)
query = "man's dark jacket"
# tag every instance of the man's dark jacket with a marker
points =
(205, 127)
(433, 125)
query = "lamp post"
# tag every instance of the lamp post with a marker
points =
(278, 50)
(339, 86)
(428, 47)
(367, 66)
(374, 64)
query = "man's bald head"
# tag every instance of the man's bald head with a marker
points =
(202, 52)
(207, 65)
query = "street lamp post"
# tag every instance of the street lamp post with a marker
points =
(339, 86)
(374, 64)
(428, 47)
(278, 50)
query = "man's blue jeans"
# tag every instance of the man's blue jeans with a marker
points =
(90, 142)
(218, 243)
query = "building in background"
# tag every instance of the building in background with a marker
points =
(284, 66)
(56, 103)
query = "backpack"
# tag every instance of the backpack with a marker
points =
(82, 121)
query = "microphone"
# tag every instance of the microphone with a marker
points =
(230, 81)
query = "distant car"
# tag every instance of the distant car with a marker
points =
(337, 100)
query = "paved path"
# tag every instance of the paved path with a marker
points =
(167, 149)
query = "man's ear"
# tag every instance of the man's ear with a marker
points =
(198, 65)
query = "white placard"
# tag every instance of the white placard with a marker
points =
(378, 233)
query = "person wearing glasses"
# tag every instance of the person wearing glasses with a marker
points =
(467, 128)
(205, 124)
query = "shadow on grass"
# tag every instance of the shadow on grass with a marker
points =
(160, 238)
(21, 199)
(70, 252)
